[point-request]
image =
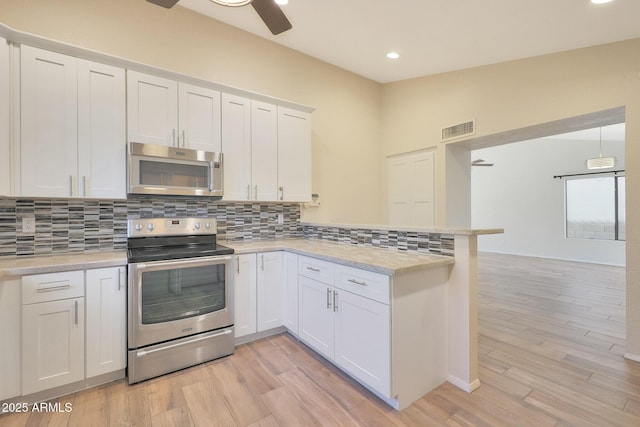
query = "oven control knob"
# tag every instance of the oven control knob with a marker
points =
(138, 227)
(151, 227)
(197, 225)
(207, 225)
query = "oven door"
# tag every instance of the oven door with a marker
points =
(178, 298)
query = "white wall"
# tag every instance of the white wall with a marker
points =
(520, 194)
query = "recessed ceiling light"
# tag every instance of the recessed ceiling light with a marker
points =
(282, 2)
(601, 1)
(393, 55)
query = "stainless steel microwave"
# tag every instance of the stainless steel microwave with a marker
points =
(162, 170)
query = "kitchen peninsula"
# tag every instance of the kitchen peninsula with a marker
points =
(427, 329)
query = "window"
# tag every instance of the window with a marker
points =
(595, 208)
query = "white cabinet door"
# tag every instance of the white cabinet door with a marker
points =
(264, 151)
(244, 287)
(236, 146)
(106, 300)
(5, 134)
(290, 291)
(315, 314)
(269, 290)
(101, 131)
(49, 127)
(199, 118)
(10, 332)
(362, 340)
(52, 344)
(152, 109)
(411, 189)
(294, 155)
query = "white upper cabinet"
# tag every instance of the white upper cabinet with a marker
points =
(5, 134)
(49, 124)
(72, 127)
(236, 147)
(264, 151)
(199, 118)
(102, 146)
(166, 112)
(294, 155)
(152, 109)
(267, 151)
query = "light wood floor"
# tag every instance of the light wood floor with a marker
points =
(551, 341)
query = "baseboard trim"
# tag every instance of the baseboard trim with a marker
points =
(634, 357)
(463, 385)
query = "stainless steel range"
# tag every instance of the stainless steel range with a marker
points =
(179, 295)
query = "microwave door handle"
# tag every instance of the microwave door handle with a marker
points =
(211, 176)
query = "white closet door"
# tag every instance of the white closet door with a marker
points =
(411, 189)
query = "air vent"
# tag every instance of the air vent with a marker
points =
(458, 131)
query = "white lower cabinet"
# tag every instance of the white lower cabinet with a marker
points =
(52, 330)
(258, 292)
(10, 382)
(61, 336)
(346, 322)
(106, 320)
(290, 291)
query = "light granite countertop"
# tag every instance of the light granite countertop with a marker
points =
(21, 266)
(379, 260)
(456, 231)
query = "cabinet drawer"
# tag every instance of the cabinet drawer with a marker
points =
(52, 286)
(368, 284)
(316, 269)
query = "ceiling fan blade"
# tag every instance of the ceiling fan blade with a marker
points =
(272, 16)
(164, 3)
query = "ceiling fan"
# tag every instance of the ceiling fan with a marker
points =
(269, 11)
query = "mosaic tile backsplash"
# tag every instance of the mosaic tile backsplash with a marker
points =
(430, 243)
(73, 225)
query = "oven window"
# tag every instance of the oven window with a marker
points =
(182, 292)
(168, 174)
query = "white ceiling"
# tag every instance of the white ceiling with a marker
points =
(435, 36)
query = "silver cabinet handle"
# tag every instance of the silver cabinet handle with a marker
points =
(237, 265)
(281, 192)
(335, 301)
(53, 288)
(173, 137)
(121, 278)
(184, 139)
(76, 310)
(357, 282)
(317, 270)
(262, 262)
(255, 193)
(328, 298)
(72, 185)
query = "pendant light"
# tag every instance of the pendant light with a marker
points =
(601, 162)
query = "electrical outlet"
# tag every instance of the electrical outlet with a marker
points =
(29, 225)
(280, 218)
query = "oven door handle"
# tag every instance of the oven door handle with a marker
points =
(142, 353)
(183, 262)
